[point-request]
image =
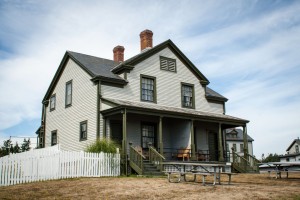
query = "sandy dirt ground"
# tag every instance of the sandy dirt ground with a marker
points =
(244, 186)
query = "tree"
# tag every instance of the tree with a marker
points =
(8, 147)
(25, 145)
(271, 158)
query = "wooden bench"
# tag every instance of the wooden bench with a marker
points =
(203, 174)
(229, 174)
(183, 174)
(180, 174)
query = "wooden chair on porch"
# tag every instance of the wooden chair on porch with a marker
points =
(183, 153)
(202, 155)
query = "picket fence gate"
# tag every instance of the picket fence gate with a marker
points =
(52, 163)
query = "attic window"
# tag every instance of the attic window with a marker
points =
(167, 64)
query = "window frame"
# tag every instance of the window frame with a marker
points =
(234, 147)
(80, 130)
(154, 138)
(154, 88)
(53, 96)
(193, 93)
(52, 142)
(66, 93)
(241, 147)
(168, 67)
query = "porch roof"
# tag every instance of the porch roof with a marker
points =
(166, 110)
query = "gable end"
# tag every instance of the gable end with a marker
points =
(146, 54)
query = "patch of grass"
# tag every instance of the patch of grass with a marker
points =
(103, 145)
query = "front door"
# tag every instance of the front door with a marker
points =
(116, 131)
(148, 135)
(213, 146)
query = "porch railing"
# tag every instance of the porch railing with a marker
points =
(253, 162)
(244, 163)
(239, 162)
(156, 158)
(136, 160)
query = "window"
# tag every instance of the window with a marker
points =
(241, 147)
(68, 100)
(41, 142)
(297, 148)
(234, 147)
(53, 138)
(148, 88)
(52, 102)
(148, 135)
(187, 93)
(83, 130)
(167, 64)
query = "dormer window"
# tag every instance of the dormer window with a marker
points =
(167, 64)
(148, 88)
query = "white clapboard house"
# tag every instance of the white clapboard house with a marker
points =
(157, 99)
(292, 152)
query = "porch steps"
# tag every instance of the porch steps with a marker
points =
(151, 169)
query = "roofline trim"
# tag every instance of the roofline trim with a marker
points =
(157, 48)
(221, 120)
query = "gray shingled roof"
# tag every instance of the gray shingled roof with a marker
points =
(95, 65)
(214, 95)
(174, 110)
(239, 135)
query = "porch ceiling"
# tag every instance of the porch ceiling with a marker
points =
(154, 109)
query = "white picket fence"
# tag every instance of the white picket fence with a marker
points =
(51, 163)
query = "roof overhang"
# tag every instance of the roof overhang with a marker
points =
(153, 109)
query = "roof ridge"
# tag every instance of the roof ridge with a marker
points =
(91, 56)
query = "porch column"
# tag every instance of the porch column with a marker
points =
(245, 137)
(221, 150)
(104, 128)
(161, 145)
(124, 141)
(193, 157)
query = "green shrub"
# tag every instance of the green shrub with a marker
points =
(103, 145)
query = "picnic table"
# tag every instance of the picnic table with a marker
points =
(202, 169)
(280, 167)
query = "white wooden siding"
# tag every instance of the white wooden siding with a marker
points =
(293, 148)
(168, 84)
(216, 107)
(84, 106)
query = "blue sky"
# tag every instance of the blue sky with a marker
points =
(249, 50)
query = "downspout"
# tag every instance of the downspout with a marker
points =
(98, 108)
(44, 112)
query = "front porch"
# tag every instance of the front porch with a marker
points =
(158, 134)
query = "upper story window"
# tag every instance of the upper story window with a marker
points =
(187, 95)
(53, 138)
(297, 148)
(148, 88)
(68, 100)
(167, 64)
(52, 102)
(83, 130)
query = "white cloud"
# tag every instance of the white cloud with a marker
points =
(251, 57)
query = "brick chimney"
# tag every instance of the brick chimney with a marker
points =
(146, 39)
(119, 53)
